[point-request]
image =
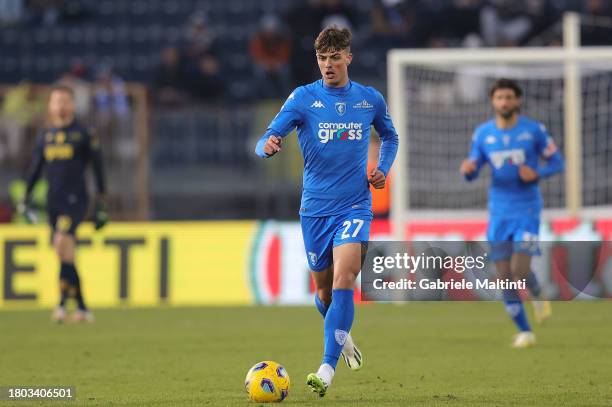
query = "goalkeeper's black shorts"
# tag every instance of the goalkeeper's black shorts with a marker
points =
(66, 218)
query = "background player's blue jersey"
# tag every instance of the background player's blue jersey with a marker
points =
(505, 150)
(333, 127)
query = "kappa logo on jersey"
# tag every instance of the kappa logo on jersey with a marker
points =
(515, 156)
(340, 131)
(490, 139)
(340, 108)
(364, 104)
(317, 103)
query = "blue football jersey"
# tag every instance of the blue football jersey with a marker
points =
(333, 128)
(505, 150)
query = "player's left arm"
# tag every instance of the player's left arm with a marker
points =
(547, 150)
(36, 167)
(95, 154)
(100, 215)
(389, 142)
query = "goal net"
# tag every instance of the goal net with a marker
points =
(438, 97)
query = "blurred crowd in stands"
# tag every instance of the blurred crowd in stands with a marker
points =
(193, 69)
(281, 49)
(219, 53)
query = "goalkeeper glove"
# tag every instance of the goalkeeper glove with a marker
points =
(25, 209)
(100, 215)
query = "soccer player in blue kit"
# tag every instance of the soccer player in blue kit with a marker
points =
(513, 145)
(333, 117)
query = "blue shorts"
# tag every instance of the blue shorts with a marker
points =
(322, 234)
(513, 235)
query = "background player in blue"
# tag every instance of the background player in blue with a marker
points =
(333, 117)
(64, 150)
(513, 145)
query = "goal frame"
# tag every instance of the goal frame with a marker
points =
(570, 56)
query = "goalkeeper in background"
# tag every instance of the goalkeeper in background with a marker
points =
(513, 145)
(64, 150)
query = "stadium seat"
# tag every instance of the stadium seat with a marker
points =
(140, 27)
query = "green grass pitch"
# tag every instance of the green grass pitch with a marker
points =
(415, 354)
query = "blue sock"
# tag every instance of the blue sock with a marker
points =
(320, 306)
(532, 284)
(338, 323)
(514, 308)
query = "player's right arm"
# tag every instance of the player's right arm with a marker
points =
(289, 117)
(470, 167)
(34, 173)
(36, 167)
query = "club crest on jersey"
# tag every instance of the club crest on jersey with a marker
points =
(313, 258)
(340, 108)
(60, 137)
(506, 139)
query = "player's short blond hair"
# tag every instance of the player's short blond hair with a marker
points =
(333, 39)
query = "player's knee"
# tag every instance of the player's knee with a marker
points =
(64, 285)
(64, 247)
(518, 273)
(345, 279)
(325, 295)
(503, 269)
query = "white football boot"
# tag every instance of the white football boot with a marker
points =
(351, 354)
(59, 314)
(524, 340)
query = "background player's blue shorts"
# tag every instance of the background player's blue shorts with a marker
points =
(513, 235)
(322, 234)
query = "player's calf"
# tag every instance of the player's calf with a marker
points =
(520, 266)
(350, 352)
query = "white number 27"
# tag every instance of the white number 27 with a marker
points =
(347, 224)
